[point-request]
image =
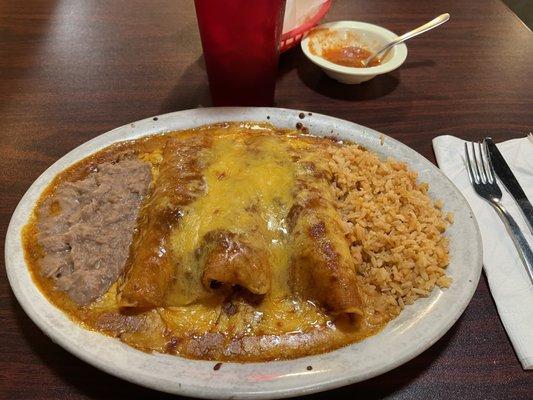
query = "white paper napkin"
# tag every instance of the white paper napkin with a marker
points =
(298, 12)
(508, 280)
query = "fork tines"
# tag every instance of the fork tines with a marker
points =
(478, 163)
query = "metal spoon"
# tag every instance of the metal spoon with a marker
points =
(411, 34)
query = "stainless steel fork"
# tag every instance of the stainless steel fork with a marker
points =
(482, 177)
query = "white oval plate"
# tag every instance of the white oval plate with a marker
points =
(417, 327)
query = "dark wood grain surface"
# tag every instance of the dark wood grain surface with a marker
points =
(73, 69)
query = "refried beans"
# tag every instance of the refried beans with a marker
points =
(85, 229)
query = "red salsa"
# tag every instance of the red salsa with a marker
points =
(349, 56)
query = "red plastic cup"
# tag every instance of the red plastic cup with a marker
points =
(240, 39)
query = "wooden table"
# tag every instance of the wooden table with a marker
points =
(73, 69)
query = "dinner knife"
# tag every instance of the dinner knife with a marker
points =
(509, 180)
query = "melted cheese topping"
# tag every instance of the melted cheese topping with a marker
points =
(249, 184)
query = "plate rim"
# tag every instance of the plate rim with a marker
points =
(13, 236)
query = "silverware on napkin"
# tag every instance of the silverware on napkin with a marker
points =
(509, 180)
(481, 174)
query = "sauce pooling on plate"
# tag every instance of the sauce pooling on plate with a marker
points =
(233, 249)
(235, 241)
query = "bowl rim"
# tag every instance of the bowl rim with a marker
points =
(397, 59)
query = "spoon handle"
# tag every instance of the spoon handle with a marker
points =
(415, 32)
(424, 28)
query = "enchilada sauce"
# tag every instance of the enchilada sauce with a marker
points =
(228, 292)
